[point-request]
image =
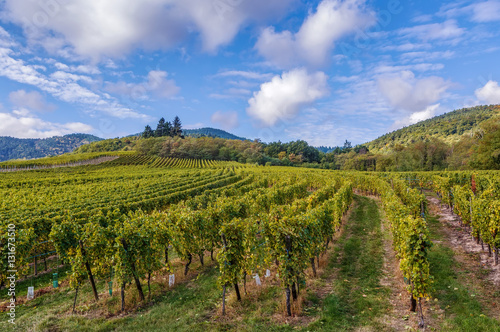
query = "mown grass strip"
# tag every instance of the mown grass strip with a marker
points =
(357, 297)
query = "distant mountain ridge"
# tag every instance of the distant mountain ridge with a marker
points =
(31, 148)
(211, 132)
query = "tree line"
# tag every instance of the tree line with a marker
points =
(478, 150)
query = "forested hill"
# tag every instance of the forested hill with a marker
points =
(448, 127)
(30, 148)
(210, 132)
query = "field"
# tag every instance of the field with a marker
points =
(250, 248)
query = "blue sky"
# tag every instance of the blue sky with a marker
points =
(323, 71)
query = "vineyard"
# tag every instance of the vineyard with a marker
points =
(133, 220)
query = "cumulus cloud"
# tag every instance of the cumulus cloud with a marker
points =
(227, 120)
(405, 92)
(316, 37)
(156, 83)
(416, 117)
(489, 93)
(96, 28)
(22, 124)
(448, 30)
(284, 96)
(31, 100)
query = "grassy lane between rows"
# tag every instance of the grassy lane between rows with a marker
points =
(463, 311)
(357, 298)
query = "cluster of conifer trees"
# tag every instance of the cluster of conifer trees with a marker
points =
(164, 128)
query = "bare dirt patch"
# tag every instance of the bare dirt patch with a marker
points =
(463, 243)
(477, 270)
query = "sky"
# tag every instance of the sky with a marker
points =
(322, 71)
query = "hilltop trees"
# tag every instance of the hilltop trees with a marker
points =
(164, 128)
(299, 151)
(160, 128)
(176, 129)
(487, 149)
(148, 132)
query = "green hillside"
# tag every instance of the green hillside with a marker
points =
(210, 132)
(30, 148)
(449, 127)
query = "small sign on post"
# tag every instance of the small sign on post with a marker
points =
(171, 280)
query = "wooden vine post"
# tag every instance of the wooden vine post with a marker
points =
(288, 242)
(134, 272)
(224, 241)
(89, 271)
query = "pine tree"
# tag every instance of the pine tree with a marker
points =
(160, 128)
(148, 132)
(177, 127)
(168, 128)
(347, 146)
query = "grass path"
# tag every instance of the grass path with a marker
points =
(464, 298)
(358, 300)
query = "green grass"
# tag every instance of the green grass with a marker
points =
(463, 311)
(358, 261)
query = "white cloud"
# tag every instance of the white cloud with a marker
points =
(62, 86)
(250, 75)
(421, 67)
(427, 56)
(447, 30)
(160, 86)
(156, 84)
(285, 95)
(405, 92)
(416, 117)
(422, 18)
(112, 28)
(316, 37)
(227, 120)
(428, 113)
(489, 93)
(22, 124)
(31, 100)
(406, 47)
(478, 11)
(83, 69)
(63, 77)
(486, 11)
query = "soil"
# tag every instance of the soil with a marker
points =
(462, 242)
(478, 270)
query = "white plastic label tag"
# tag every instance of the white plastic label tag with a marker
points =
(31, 293)
(257, 280)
